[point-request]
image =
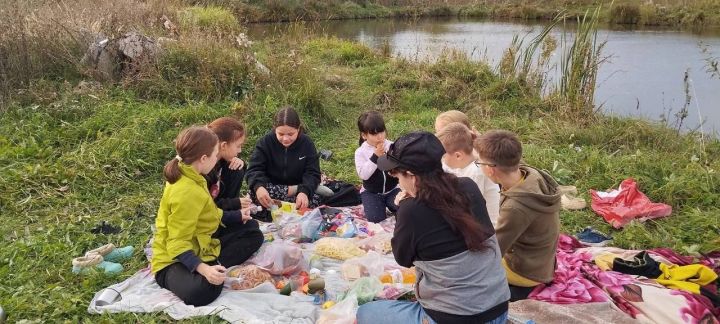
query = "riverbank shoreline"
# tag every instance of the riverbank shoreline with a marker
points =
(696, 14)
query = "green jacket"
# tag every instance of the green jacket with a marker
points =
(186, 220)
(529, 225)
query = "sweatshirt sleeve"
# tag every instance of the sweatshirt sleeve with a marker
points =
(403, 241)
(512, 223)
(256, 173)
(189, 259)
(365, 166)
(311, 176)
(231, 217)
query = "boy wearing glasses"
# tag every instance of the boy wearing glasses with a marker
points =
(529, 222)
(457, 139)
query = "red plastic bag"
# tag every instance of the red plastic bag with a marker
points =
(620, 206)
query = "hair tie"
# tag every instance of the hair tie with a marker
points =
(177, 157)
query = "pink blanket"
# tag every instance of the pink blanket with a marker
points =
(579, 280)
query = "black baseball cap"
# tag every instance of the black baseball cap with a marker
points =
(418, 152)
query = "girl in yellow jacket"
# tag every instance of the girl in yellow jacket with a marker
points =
(195, 240)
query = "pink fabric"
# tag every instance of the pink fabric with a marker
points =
(579, 280)
(625, 204)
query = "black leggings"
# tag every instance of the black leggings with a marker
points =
(238, 242)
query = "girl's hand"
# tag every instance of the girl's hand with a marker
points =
(380, 149)
(246, 216)
(236, 163)
(301, 201)
(214, 274)
(263, 197)
(399, 197)
(245, 202)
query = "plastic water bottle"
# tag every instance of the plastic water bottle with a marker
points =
(255, 209)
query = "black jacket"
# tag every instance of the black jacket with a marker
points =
(380, 181)
(224, 185)
(297, 165)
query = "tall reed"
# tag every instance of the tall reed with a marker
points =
(579, 64)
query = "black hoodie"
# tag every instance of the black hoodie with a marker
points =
(272, 163)
(224, 185)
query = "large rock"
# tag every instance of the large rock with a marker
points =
(125, 56)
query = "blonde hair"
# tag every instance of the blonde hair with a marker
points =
(453, 116)
(456, 137)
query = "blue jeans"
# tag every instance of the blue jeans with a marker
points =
(396, 311)
(374, 204)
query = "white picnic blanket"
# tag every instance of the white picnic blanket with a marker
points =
(263, 304)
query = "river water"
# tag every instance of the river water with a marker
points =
(643, 76)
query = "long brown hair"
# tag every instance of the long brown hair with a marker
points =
(227, 129)
(438, 190)
(191, 144)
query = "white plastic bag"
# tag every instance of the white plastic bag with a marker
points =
(343, 312)
(280, 258)
(371, 265)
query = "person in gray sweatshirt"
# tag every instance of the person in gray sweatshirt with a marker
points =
(443, 229)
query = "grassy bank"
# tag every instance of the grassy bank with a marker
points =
(692, 13)
(75, 156)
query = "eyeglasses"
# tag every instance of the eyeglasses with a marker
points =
(479, 163)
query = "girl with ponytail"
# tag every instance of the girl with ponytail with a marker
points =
(189, 252)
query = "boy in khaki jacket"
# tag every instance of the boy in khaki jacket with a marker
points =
(529, 222)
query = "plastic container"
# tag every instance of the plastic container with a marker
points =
(404, 276)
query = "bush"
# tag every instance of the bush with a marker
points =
(341, 51)
(627, 14)
(197, 68)
(47, 39)
(210, 18)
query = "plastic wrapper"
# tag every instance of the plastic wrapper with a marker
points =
(365, 289)
(337, 248)
(379, 242)
(343, 312)
(393, 292)
(310, 224)
(243, 277)
(401, 276)
(620, 206)
(291, 231)
(279, 258)
(347, 229)
(370, 265)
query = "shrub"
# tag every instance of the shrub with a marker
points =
(341, 51)
(628, 14)
(197, 68)
(210, 18)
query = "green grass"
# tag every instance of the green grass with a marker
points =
(689, 13)
(71, 160)
(208, 18)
